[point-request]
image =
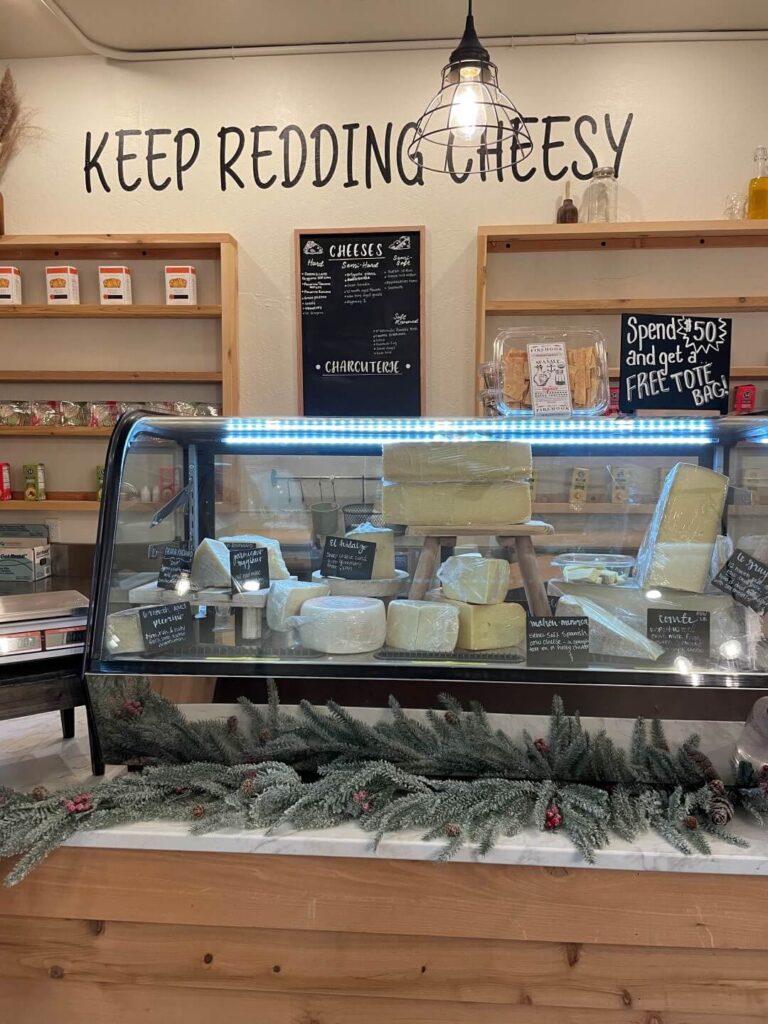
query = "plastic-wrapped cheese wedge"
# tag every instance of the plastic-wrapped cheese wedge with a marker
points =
(427, 462)
(277, 567)
(485, 627)
(607, 633)
(475, 579)
(384, 559)
(342, 625)
(122, 634)
(210, 565)
(677, 548)
(422, 626)
(286, 597)
(456, 504)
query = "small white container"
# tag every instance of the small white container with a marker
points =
(180, 286)
(115, 286)
(62, 286)
(10, 286)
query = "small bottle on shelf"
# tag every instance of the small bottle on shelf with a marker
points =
(757, 200)
(567, 213)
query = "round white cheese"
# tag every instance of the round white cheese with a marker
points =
(343, 625)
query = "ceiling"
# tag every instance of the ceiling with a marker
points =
(29, 28)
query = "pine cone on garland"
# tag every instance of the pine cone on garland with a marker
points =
(39, 792)
(691, 822)
(232, 723)
(247, 787)
(703, 763)
(720, 810)
(198, 810)
(717, 786)
(265, 735)
(451, 718)
(453, 831)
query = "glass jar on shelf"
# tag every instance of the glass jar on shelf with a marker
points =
(602, 196)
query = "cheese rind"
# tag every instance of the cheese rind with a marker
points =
(474, 579)
(677, 548)
(210, 565)
(286, 597)
(422, 626)
(277, 567)
(435, 461)
(384, 559)
(486, 627)
(456, 504)
(343, 625)
(122, 634)
(607, 633)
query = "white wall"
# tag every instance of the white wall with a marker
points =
(697, 117)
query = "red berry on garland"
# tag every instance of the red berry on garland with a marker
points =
(360, 796)
(39, 792)
(453, 831)
(132, 708)
(198, 810)
(180, 790)
(553, 818)
(365, 807)
(541, 746)
(79, 804)
(763, 773)
(691, 822)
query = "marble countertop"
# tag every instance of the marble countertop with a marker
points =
(33, 753)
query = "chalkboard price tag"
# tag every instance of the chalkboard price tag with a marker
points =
(165, 626)
(746, 580)
(249, 567)
(347, 558)
(557, 640)
(674, 362)
(175, 562)
(680, 630)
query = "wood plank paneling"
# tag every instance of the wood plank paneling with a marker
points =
(413, 968)
(63, 1002)
(382, 896)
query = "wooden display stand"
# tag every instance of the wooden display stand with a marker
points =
(512, 538)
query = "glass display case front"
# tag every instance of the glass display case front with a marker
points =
(626, 550)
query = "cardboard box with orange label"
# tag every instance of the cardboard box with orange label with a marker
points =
(115, 286)
(62, 285)
(10, 286)
(180, 286)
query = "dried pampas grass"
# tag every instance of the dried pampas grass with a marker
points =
(14, 121)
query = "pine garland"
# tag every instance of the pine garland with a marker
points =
(453, 777)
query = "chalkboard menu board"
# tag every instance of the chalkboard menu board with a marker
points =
(557, 640)
(679, 631)
(746, 579)
(348, 558)
(674, 362)
(360, 311)
(164, 626)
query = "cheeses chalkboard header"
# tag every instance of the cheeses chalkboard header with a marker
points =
(360, 295)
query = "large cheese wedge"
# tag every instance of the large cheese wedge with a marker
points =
(485, 627)
(455, 504)
(343, 625)
(384, 559)
(475, 579)
(422, 626)
(122, 634)
(677, 548)
(428, 461)
(286, 597)
(210, 565)
(607, 633)
(277, 567)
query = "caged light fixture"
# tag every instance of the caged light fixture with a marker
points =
(470, 112)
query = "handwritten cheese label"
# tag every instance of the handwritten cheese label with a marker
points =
(165, 626)
(746, 579)
(680, 631)
(347, 558)
(557, 640)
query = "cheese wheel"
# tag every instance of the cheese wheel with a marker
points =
(343, 625)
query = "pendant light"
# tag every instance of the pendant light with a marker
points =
(470, 112)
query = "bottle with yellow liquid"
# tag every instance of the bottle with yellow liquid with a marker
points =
(757, 202)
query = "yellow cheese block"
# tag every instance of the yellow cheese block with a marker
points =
(427, 461)
(486, 627)
(455, 504)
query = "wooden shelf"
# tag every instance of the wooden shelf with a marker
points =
(94, 432)
(706, 234)
(177, 247)
(49, 506)
(112, 312)
(569, 307)
(115, 376)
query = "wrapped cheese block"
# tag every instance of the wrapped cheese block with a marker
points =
(424, 462)
(122, 634)
(286, 597)
(607, 633)
(484, 627)
(475, 579)
(210, 565)
(384, 559)
(277, 567)
(422, 626)
(677, 548)
(342, 625)
(456, 504)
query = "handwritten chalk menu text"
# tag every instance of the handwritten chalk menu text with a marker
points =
(164, 626)
(348, 559)
(176, 561)
(683, 632)
(557, 640)
(674, 362)
(361, 331)
(249, 567)
(746, 580)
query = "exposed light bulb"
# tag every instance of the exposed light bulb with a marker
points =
(468, 116)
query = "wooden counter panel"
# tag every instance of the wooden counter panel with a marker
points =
(365, 966)
(338, 894)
